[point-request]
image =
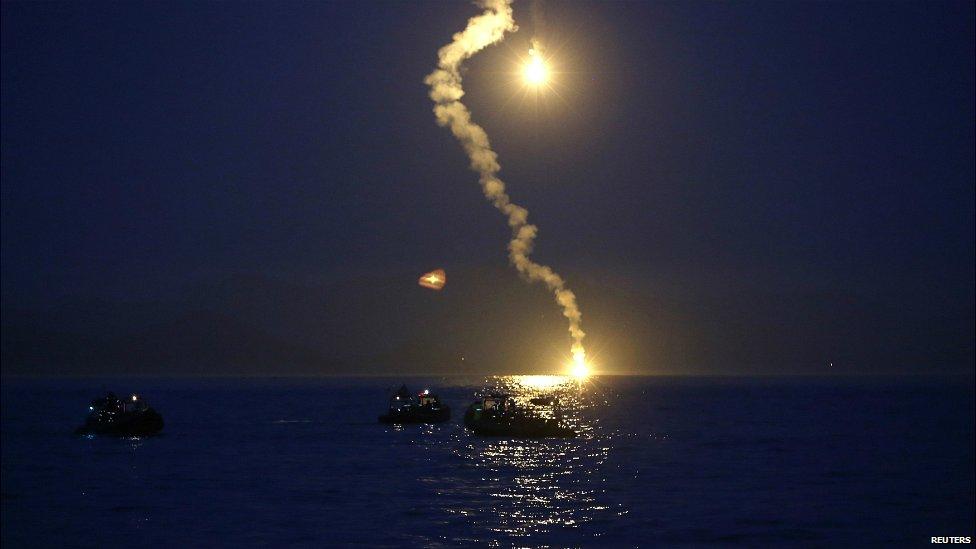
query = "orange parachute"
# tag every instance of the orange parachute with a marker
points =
(435, 280)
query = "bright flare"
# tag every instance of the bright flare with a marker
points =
(536, 72)
(579, 368)
(434, 280)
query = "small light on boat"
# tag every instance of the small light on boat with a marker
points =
(91, 407)
(426, 391)
(134, 398)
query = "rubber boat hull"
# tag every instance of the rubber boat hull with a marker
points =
(127, 424)
(513, 425)
(417, 415)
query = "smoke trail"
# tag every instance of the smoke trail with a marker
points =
(446, 91)
(538, 11)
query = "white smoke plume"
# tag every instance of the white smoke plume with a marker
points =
(446, 91)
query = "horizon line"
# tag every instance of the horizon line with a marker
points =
(436, 374)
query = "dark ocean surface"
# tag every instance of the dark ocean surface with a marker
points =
(660, 461)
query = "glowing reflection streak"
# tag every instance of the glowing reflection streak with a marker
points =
(536, 486)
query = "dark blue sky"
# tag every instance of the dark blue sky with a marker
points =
(695, 148)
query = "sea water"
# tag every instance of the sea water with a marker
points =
(658, 461)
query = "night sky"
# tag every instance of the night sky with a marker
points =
(254, 188)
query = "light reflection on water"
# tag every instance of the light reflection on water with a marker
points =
(309, 458)
(536, 486)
